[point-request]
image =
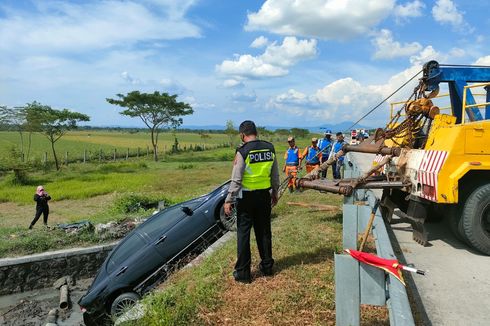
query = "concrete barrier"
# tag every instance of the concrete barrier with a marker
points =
(41, 270)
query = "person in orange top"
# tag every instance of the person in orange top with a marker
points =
(313, 155)
(293, 162)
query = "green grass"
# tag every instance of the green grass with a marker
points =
(75, 142)
(300, 293)
(90, 191)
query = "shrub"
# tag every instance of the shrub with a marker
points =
(133, 202)
(186, 166)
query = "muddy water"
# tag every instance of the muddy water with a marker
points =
(31, 308)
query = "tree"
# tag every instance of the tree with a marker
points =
(264, 132)
(231, 131)
(156, 110)
(14, 119)
(53, 123)
(300, 132)
(282, 132)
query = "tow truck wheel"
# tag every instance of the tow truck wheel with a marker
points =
(456, 222)
(123, 303)
(476, 219)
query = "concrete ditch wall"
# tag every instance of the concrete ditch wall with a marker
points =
(41, 270)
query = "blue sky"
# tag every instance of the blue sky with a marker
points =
(293, 63)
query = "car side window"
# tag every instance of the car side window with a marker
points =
(129, 247)
(161, 221)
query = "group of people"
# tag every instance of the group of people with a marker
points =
(314, 155)
(254, 190)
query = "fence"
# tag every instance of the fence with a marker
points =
(116, 154)
(357, 283)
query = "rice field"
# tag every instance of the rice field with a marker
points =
(96, 142)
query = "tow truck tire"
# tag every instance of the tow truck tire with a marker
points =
(123, 303)
(456, 223)
(476, 219)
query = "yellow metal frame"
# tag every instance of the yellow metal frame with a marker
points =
(465, 107)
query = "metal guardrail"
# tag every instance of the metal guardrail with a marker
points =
(357, 283)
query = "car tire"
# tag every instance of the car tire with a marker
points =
(476, 219)
(227, 222)
(123, 303)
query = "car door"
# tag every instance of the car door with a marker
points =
(190, 226)
(133, 261)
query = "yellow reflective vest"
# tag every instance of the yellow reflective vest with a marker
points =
(259, 157)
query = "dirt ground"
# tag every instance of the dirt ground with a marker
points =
(12, 214)
(31, 308)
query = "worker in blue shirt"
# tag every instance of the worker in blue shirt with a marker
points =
(337, 146)
(325, 145)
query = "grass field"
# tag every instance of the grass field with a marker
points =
(89, 191)
(75, 142)
(300, 293)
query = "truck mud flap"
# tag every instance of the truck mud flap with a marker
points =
(417, 214)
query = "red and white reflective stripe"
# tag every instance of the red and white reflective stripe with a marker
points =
(429, 169)
(378, 159)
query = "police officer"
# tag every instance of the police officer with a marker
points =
(254, 189)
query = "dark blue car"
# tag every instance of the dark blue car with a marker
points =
(143, 258)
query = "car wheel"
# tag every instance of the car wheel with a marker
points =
(123, 303)
(228, 222)
(476, 219)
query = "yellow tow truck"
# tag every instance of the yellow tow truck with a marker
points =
(433, 162)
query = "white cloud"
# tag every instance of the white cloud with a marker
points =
(326, 19)
(457, 53)
(232, 83)
(483, 61)
(409, 10)
(273, 62)
(348, 98)
(446, 12)
(130, 79)
(244, 97)
(191, 100)
(259, 42)
(427, 54)
(387, 48)
(92, 25)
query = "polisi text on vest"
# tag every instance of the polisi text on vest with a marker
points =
(260, 157)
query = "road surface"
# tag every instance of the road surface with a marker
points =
(456, 289)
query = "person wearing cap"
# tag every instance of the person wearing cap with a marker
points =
(312, 155)
(253, 191)
(336, 147)
(325, 145)
(293, 161)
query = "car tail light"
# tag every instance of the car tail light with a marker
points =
(83, 309)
